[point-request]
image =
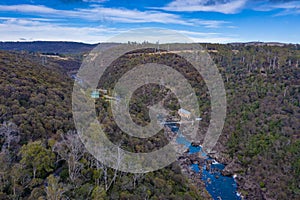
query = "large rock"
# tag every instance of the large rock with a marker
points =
(195, 144)
(232, 168)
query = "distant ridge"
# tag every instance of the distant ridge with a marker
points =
(61, 47)
(254, 43)
(52, 47)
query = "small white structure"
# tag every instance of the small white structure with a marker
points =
(184, 113)
(103, 91)
(198, 119)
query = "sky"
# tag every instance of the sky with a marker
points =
(94, 21)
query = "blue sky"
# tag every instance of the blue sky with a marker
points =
(92, 21)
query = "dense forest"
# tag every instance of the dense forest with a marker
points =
(41, 155)
(261, 139)
(43, 158)
(48, 47)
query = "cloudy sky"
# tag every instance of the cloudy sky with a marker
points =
(93, 21)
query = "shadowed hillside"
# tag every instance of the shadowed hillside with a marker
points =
(42, 157)
(50, 47)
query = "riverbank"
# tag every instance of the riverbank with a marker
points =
(203, 170)
(248, 188)
(185, 161)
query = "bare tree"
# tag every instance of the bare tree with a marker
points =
(107, 177)
(71, 149)
(119, 159)
(290, 62)
(137, 177)
(9, 131)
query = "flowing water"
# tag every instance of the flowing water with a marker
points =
(220, 187)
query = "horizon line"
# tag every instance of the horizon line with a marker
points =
(106, 42)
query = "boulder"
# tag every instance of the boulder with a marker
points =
(195, 144)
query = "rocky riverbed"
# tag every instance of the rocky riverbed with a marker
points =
(247, 186)
(185, 161)
(213, 178)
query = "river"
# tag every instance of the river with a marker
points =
(220, 187)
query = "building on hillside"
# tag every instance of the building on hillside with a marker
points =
(98, 92)
(95, 94)
(184, 113)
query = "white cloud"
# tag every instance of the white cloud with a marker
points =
(219, 39)
(209, 23)
(131, 16)
(210, 37)
(71, 25)
(170, 36)
(222, 6)
(32, 19)
(13, 29)
(100, 13)
(286, 8)
(119, 15)
(16, 29)
(289, 8)
(198, 34)
(26, 8)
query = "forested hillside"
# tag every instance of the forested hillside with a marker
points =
(52, 47)
(261, 137)
(47, 47)
(34, 97)
(42, 157)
